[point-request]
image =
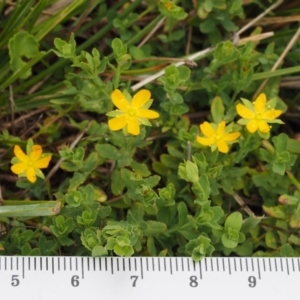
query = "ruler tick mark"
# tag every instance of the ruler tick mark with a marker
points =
(281, 265)
(11, 264)
(229, 267)
(82, 268)
(200, 268)
(142, 272)
(41, 263)
(147, 265)
(65, 264)
(287, 267)
(293, 265)
(264, 264)
(182, 264)
(58, 263)
(171, 271)
(88, 264)
(188, 264)
(165, 267)
(118, 264)
(105, 263)
(217, 264)
(34, 263)
(112, 265)
(129, 264)
(70, 263)
(241, 265)
(234, 262)
(223, 263)
(205, 262)
(247, 264)
(94, 264)
(258, 267)
(153, 265)
(135, 268)
(52, 265)
(270, 266)
(176, 264)
(123, 264)
(158, 260)
(275, 265)
(23, 267)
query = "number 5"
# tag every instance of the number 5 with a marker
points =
(14, 280)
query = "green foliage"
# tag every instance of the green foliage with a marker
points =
(163, 192)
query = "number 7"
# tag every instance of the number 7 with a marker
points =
(135, 278)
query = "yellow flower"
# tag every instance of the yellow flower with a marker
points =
(131, 113)
(257, 116)
(29, 165)
(218, 137)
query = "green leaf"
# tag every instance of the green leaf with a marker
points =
(188, 171)
(280, 142)
(217, 110)
(99, 251)
(22, 45)
(275, 211)
(65, 49)
(226, 52)
(250, 223)
(154, 228)
(107, 151)
(228, 242)
(184, 74)
(202, 189)
(171, 10)
(271, 240)
(286, 250)
(234, 221)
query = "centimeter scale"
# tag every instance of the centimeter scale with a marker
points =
(138, 278)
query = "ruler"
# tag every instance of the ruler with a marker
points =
(138, 278)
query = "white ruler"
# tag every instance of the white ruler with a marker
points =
(136, 278)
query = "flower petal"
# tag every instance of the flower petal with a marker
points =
(133, 126)
(221, 128)
(230, 136)
(36, 152)
(117, 123)
(18, 168)
(260, 103)
(30, 174)
(263, 126)
(20, 154)
(245, 112)
(271, 114)
(205, 141)
(222, 146)
(252, 126)
(207, 130)
(148, 114)
(43, 162)
(140, 98)
(119, 100)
